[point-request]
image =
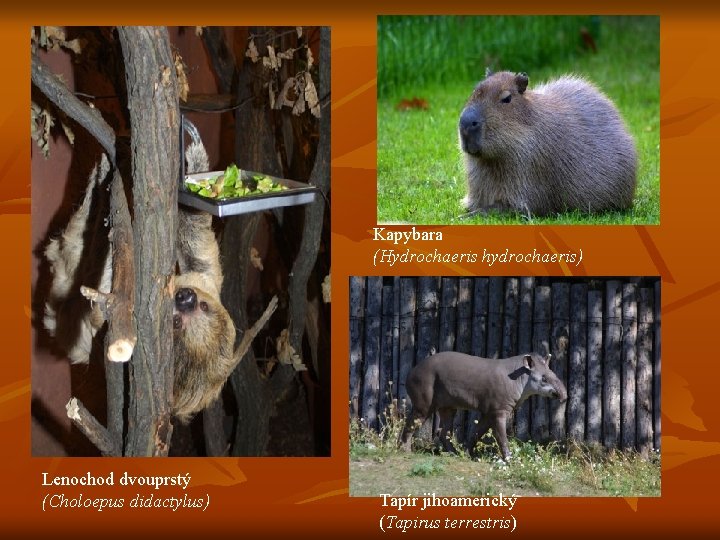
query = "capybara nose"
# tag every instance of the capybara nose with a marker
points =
(185, 299)
(470, 120)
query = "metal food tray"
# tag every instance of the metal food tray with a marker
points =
(297, 194)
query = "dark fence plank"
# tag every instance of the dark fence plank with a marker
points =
(495, 316)
(612, 364)
(464, 316)
(656, 370)
(407, 335)
(560, 331)
(643, 389)
(386, 351)
(479, 340)
(541, 344)
(593, 428)
(463, 341)
(357, 331)
(396, 336)
(448, 314)
(629, 364)
(371, 352)
(525, 345)
(427, 341)
(510, 319)
(577, 363)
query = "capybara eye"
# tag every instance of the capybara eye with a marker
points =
(203, 306)
(507, 98)
(177, 322)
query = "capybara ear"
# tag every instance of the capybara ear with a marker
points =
(521, 80)
(488, 72)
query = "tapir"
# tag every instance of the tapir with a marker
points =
(448, 381)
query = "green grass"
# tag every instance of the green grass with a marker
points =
(420, 174)
(417, 51)
(427, 467)
(533, 470)
(377, 465)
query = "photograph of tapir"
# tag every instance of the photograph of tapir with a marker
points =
(543, 360)
(449, 381)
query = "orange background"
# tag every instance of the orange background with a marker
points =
(309, 496)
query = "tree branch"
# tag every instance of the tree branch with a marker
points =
(155, 144)
(57, 92)
(121, 331)
(92, 429)
(250, 333)
(312, 229)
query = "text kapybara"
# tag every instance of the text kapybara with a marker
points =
(557, 147)
(448, 381)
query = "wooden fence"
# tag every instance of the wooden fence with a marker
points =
(603, 333)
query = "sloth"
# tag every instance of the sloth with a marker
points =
(203, 332)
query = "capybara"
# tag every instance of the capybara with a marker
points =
(557, 147)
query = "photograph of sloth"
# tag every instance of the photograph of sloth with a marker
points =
(159, 329)
(203, 332)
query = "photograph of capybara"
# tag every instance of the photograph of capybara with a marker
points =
(556, 147)
(518, 120)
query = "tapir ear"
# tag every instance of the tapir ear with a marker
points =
(521, 81)
(488, 72)
(548, 358)
(528, 361)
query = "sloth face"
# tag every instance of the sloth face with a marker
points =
(201, 324)
(186, 306)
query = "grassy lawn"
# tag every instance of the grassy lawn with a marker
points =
(533, 470)
(420, 174)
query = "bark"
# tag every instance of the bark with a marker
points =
(154, 115)
(314, 212)
(89, 118)
(92, 429)
(221, 56)
(256, 395)
(121, 331)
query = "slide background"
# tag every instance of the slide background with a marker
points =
(309, 496)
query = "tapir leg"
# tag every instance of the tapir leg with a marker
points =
(499, 425)
(447, 415)
(482, 427)
(413, 420)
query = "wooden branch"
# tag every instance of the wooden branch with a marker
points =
(103, 300)
(153, 99)
(314, 212)
(221, 56)
(216, 444)
(88, 117)
(250, 333)
(92, 429)
(121, 330)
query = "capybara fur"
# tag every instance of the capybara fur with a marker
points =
(557, 147)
